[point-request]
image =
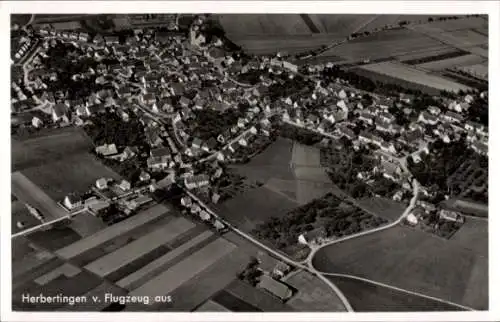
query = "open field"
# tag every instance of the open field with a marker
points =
(298, 33)
(478, 70)
(206, 284)
(211, 306)
(255, 297)
(30, 193)
(20, 213)
(112, 232)
(389, 43)
(452, 25)
(86, 224)
(306, 156)
(412, 260)
(468, 207)
(75, 173)
(473, 235)
(411, 75)
(254, 207)
(40, 150)
(112, 262)
(179, 274)
(366, 297)
(313, 294)
(383, 207)
(452, 62)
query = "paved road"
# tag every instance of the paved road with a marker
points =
(277, 254)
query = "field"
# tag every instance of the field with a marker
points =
(313, 294)
(75, 173)
(298, 33)
(182, 272)
(477, 70)
(257, 298)
(366, 297)
(415, 261)
(451, 62)
(30, 193)
(21, 213)
(413, 76)
(473, 235)
(383, 207)
(255, 206)
(390, 43)
(465, 34)
(43, 149)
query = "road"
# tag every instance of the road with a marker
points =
(277, 254)
(400, 290)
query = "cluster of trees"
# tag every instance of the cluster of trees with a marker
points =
(442, 161)
(366, 83)
(110, 128)
(210, 123)
(350, 220)
(283, 232)
(441, 227)
(251, 274)
(297, 134)
(427, 59)
(343, 167)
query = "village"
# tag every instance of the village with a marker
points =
(188, 95)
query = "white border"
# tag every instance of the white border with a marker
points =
(381, 7)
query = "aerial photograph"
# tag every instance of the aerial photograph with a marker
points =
(215, 162)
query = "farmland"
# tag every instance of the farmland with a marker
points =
(412, 260)
(43, 149)
(256, 206)
(383, 207)
(75, 173)
(452, 62)
(313, 294)
(390, 43)
(298, 33)
(30, 193)
(410, 76)
(366, 297)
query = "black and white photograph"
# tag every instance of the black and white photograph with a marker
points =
(243, 162)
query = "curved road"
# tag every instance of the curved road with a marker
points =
(284, 258)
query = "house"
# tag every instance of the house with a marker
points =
(427, 118)
(125, 185)
(347, 132)
(144, 176)
(452, 117)
(387, 117)
(204, 215)
(382, 126)
(219, 225)
(197, 143)
(60, 112)
(209, 145)
(451, 216)
(149, 99)
(391, 171)
(184, 101)
(427, 206)
(365, 117)
(313, 236)
(101, 183)
(276, 288)
(196, 181)
(291, 67)
(434, 110)
(186, 201)
(72, 201)
(480, 147)
(106, 150)
(215, 197)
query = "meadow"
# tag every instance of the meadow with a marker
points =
(415, 261)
